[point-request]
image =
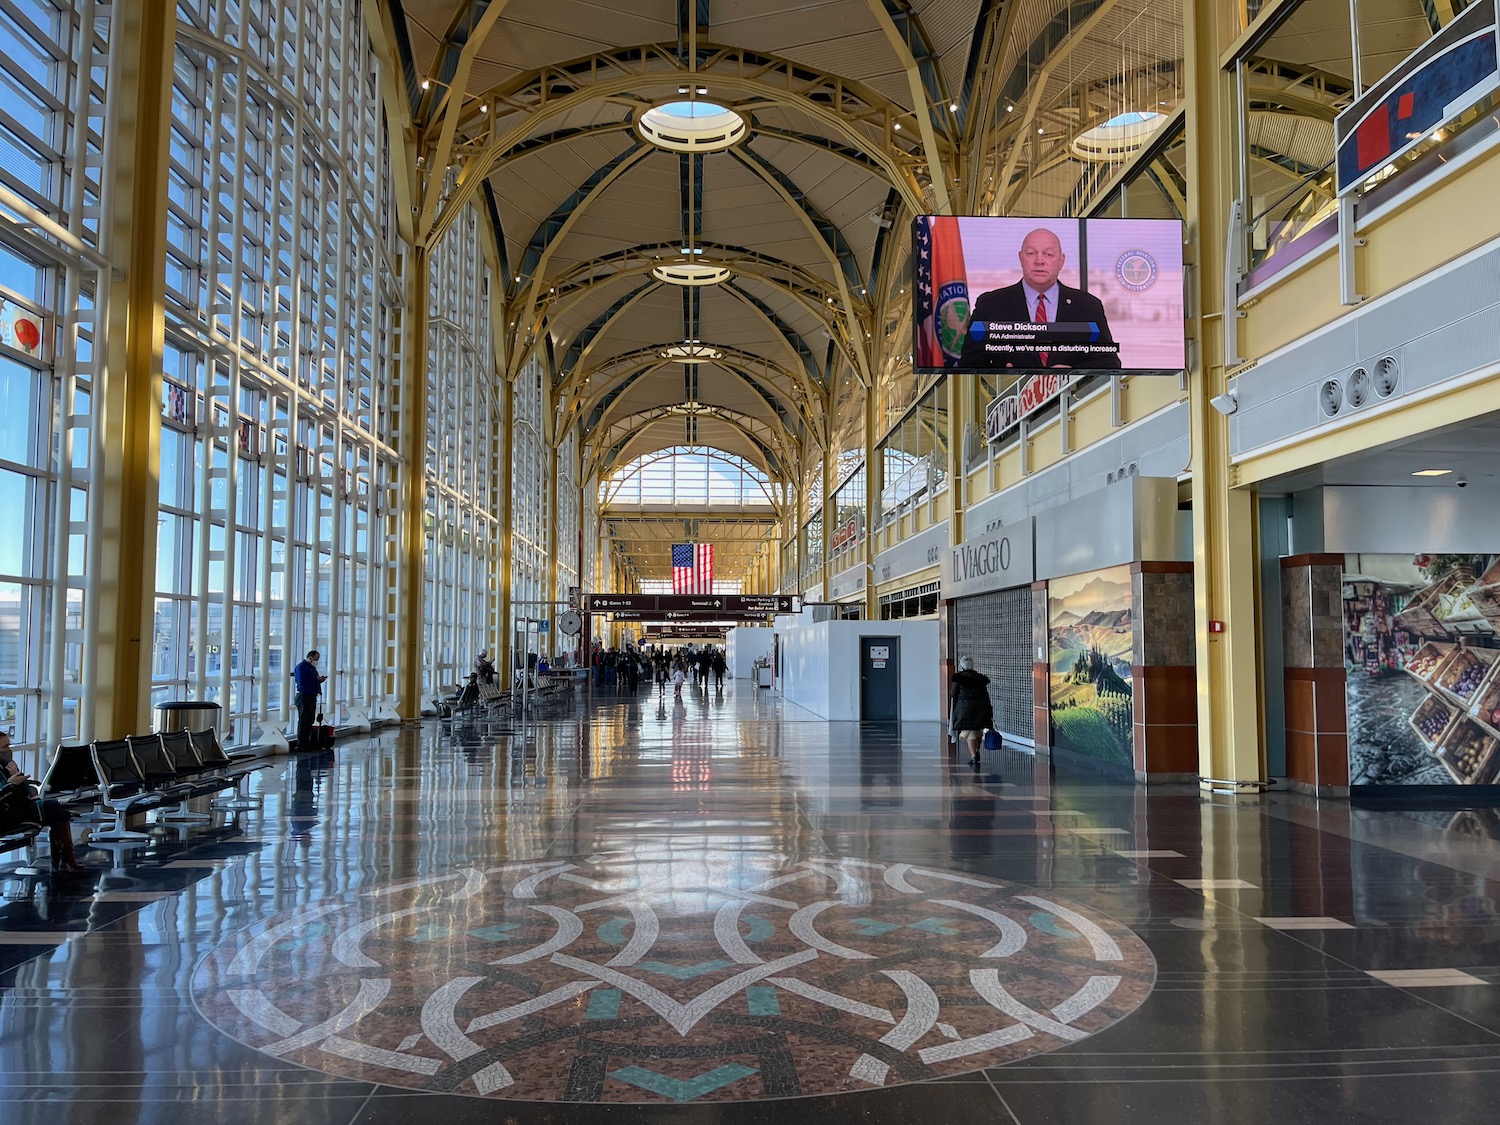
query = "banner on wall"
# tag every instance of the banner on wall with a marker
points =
(1091, 642)
(21, 329)
(1423, 662)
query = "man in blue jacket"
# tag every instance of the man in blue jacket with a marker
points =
(309, 687)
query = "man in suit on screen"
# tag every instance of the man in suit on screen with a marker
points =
(1040, 298)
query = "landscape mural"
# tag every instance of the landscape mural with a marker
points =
(1090, 642)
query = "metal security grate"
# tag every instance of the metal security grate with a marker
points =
(995, 630)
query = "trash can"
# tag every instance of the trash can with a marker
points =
(186, 716)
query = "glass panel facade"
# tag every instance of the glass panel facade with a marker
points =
(51, 144)
(465, 417)
(278, 447)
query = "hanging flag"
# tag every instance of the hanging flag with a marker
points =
(942, 292)
(692, 568)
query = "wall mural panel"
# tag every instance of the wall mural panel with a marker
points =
(1090, 640)
(1423, 663)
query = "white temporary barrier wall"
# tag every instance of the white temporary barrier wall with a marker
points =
(820, 666)
(745, 644)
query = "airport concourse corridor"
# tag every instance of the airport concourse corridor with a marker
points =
(653, 909)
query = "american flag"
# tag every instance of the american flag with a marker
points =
(692, 568)
(929, 354)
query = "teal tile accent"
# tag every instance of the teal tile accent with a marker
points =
(934, 926)
(430, 933)
(760, 929)
(677, 1089)
(604, 1004)
(1050, 925)
(308, 935)
(495, 933)
(685, 972)
(761, 1000)
(871, 928)
(613, 931)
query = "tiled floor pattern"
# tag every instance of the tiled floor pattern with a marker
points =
(1328, 963)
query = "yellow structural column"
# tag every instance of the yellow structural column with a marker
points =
(507, 519)
(874, 482)
(127, 448)
(411, 607)
(1224, 549)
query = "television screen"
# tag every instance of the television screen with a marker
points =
(996, 294)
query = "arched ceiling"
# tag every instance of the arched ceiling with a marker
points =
(861, 113)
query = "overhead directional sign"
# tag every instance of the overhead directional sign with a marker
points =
(729, 605)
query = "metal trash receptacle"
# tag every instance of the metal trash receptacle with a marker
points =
(168, 717)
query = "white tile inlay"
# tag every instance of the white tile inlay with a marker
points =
(1099, 831)
(1217, 884)
(178, 864)
(1156, 853)
(1424, 978)
(1304, 923)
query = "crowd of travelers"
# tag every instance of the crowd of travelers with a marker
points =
(624, 669)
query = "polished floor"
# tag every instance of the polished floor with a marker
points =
(725, 909)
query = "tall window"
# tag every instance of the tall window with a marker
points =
(568, 514)
(279, 469)
(51, 146)
(687, 476)
(531, 464)
(464, 418)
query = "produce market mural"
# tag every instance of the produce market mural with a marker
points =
(1090, 642)
(1423, 662)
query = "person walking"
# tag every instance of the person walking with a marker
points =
(719, 667)
(309, 690)
(970, 712)
(679, 677)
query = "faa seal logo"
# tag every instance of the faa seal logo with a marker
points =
(1136, 270)
(952, 318)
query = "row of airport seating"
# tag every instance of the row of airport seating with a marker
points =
(112, 780)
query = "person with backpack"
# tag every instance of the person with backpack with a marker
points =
(309, 690)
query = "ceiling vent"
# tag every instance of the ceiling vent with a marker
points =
(1387, 376)
(1358, 389)
(1331, 398)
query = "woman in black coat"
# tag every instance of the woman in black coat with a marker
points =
(970, 712)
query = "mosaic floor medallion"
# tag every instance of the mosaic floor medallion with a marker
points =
(715, 978)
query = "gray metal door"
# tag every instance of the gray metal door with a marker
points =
(880, 679)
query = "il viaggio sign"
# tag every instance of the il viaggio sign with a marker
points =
(999, 559)
(1024, 294)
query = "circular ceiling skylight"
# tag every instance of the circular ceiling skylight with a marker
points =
(691, 351)
(692, 126)
(1118, 138)
(692, 273)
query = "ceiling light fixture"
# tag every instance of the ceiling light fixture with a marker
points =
(691, 351)
(898, 126)
(426, 85)
(953, 107)
(1432, 472)
(692, 273)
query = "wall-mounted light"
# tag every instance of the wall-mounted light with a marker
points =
(1227, 403)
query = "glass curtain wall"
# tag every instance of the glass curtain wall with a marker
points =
(52, 129)
(567, 514)
(465, 416)
(531, 464)
(279, 468)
